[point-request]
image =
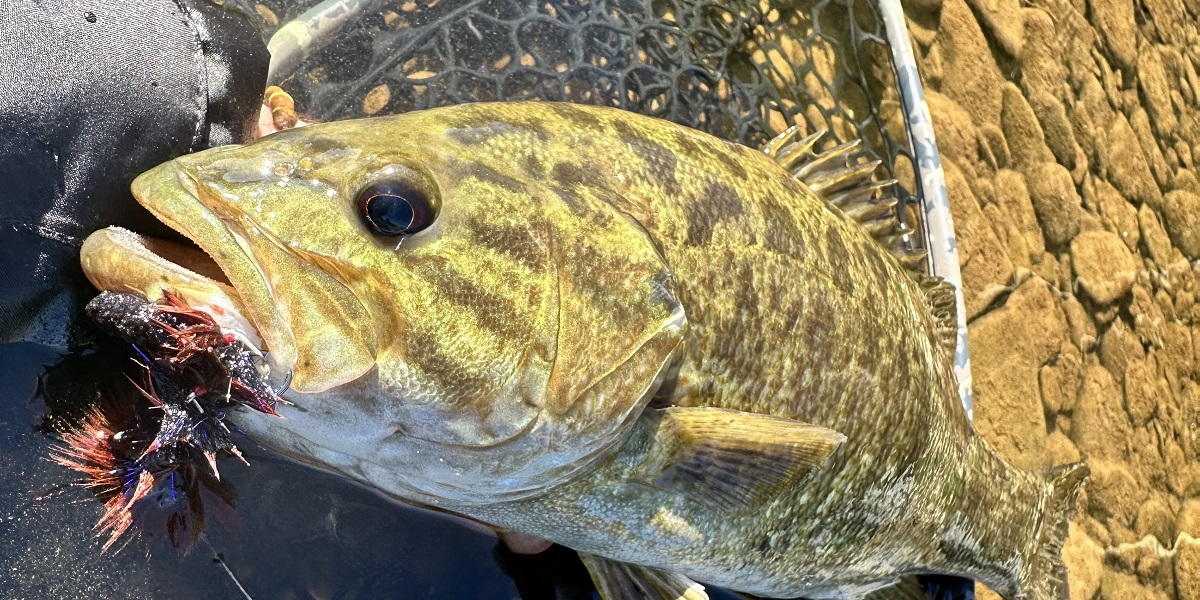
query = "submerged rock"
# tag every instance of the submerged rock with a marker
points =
(1181, 211)
(1116, 22)
(1055, 201)
(1141, 392)
(1114, 494)
(1009, 346)
(1155, 237)
(1128, 168)
(1103, 264)
(1100, 428)
(1086, 558)
(1026, 141)
(1156, 91)
(1187, 567)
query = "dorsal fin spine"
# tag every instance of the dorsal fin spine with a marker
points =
(849, 187)
(836, 180)
(943, 306)
(870, 211)
(824, 160)
(799, 151)
(785, 140)
(878, 229)
(858, 195)
(913, 261)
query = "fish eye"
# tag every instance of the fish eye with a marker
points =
(395, 209)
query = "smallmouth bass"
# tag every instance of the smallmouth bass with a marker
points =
(686, 359)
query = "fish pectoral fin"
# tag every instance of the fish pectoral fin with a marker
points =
(729, 460)
(624, 581)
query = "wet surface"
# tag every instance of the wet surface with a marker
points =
(294, 534)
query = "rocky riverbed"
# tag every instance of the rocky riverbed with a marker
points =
(1069, 132)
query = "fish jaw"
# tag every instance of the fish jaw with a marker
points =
(303, 311)
(118, 260)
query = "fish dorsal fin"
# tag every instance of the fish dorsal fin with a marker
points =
(849, 185)
(623, 581)
(728, 460)
(943, 305)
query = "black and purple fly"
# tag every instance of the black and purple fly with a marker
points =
(157, 456)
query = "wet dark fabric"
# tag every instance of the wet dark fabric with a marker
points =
(91, 95)
(945, 587)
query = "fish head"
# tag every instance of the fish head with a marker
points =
(456, 330)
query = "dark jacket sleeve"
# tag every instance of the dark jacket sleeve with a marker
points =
(92, 94)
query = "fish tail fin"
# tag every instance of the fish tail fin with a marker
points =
(1045, 576)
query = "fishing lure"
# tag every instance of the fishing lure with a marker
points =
(160, 454)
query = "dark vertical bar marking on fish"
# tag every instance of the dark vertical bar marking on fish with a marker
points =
(719, 202)
(782, 235)
(569, 181)
(719, 151)
(474, 134)
(660, 161)
(579, 118)
(516, 241)
(493, 312)
(487, 174)
(444, 369)
(839, 259)
(568, 174)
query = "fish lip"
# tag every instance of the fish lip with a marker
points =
(174, 196)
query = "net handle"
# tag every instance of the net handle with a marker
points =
(318, 27)
(931, 183)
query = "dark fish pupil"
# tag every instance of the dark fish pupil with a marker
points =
(395, 208)
(391, 215)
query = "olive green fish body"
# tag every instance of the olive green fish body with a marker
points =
(659, 348)
(793, 311)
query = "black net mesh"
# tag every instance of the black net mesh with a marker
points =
(740, 69)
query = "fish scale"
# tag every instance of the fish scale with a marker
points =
(721, 376)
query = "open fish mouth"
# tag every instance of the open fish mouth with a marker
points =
(221, 278)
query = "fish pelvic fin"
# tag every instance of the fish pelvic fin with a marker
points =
(1045, 575)
(623, 581)
(728, 460)
(848, 185)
